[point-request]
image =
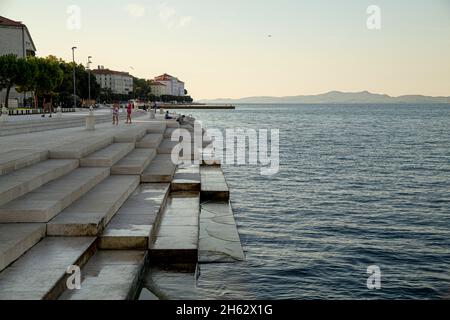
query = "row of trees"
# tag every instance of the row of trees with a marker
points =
(49, 79)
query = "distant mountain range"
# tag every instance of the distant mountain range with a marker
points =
(335, 97)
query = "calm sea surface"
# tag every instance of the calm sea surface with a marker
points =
(358, 185)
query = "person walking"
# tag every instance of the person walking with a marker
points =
(115, 113)
(129, 110)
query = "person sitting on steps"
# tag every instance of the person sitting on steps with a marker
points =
(167, 115)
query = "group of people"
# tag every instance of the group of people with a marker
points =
(129, 109)
(115, 112)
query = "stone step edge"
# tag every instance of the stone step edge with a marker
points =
(151, 237)
(61, 285)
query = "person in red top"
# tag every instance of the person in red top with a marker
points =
(129, 110)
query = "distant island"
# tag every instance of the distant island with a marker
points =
(336, 97)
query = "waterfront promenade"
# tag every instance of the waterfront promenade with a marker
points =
(108, 201)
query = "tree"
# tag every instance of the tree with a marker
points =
(27, 79)
(65, 89)
(49, 77)
(10, 68)
(141, 88)
(152, 97)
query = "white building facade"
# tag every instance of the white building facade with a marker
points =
(15, 39)
(118, 82)
(158, 88)
(172, 85)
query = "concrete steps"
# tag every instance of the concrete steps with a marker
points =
(172, 123)
(166, 146)
(80, 149)
(110, 275)
(16, 239)
(168, 133)
(18, 183)
(133, 225)
(90, 214)
(150, 141)
(135, 162)
(177, 235)
(186, 178)
(30, 126)
(132, 134)
(213, 184)
(219, 238)
(41, 272)
(108, 156)
(44, 203)
(161, 169)
(157, 127)
(18, 159)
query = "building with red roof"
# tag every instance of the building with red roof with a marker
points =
(168, 85)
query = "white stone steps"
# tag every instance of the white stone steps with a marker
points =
(166, 146)
(110, 275)
(161, 169)
(41, 272)
(135, 162)
(213, 184)
(17, 159)
(90, 214)
(16, 239)
(132, 134)
(151, 141)
(168, 133)
(186, 178)
(81, 148)
(157, 127)
(30, 126)
(177, 235)
(108, 156)
(219, 238)
(172, 123)
(18, 183)
(44, 203)
(133, 225)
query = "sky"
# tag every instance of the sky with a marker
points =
(241, 48)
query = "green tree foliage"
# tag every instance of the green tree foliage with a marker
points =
(28, 78)
(65, 89)
(49, 77)
(13, 72)
(169, 98)
(141, 88)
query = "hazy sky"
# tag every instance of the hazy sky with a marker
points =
(223, 48)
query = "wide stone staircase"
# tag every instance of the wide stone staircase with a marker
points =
(109, 204)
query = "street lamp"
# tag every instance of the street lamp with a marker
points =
(74, 79)
(89, 79)
(132, 86)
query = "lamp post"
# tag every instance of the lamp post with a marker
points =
(89, 77)
(74, 79)
(132, 85)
